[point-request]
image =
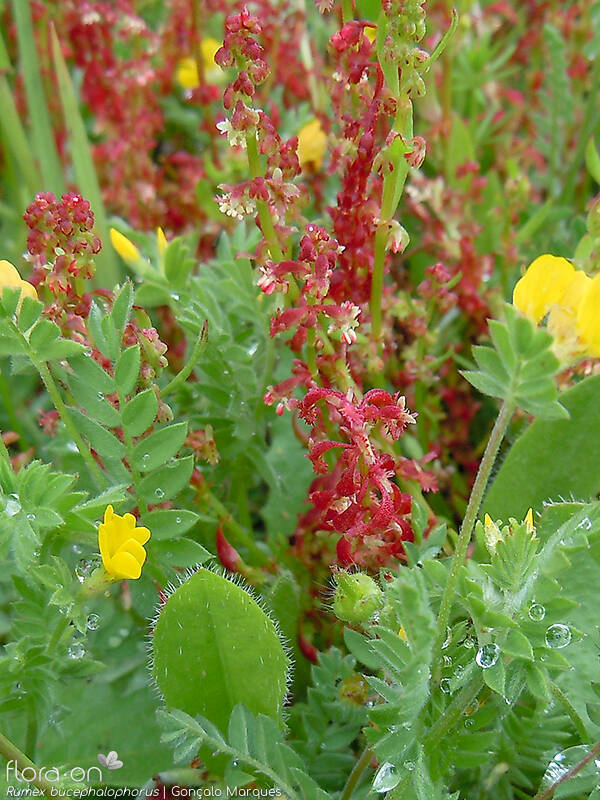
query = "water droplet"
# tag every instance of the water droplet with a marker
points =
(536, 612)
(586, 779)
(88, 352)
(487, 655)
(100, 395)
(558, 636)
(159, 492)
(12, 506)
(469, 723)
(386, 779)
(175, 296)
(585, 523)
(445, 685)
(178, 520)
(114, 641)
(76, 651)
(409, 765)
(76, 549)
(447, 639)
(123, 632)
(85, 567)
(93, 621)
(234, 763)
(447, 661)
(469, 642)
(145, 457)
(31, 517)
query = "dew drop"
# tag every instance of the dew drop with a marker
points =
(585, 523)
(487, 655)
(31, 517)
(85, 567)
(445, 685)
(409, 765)
(234, 763)
(100, 395)
(175, 296)
(469, 642)
(76, 549)
(13, 506)
(558, 636)
(447, 639)
(447, 661)
(93, 621)
(536, 612)
(159, 492)
(469, 723)
(76, 651)
(386, 779)
(178, 520)
(564, 761)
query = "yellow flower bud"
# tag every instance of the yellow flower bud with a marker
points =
(125, 248)
(161, 241)
(491, 533)
(121, 545)
(312, 142)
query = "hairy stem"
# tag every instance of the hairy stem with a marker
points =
(546, 794)
(460, 553)
(571, 711)
(13, 755)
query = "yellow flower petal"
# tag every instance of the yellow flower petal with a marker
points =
(529, 522)
(542, 286)
(9, 275)
(125, 247)
(208, 48)
(588, 318)
(27, 290)
(312, 142)
(124, 566)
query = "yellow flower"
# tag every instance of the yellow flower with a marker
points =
(551, 285)
(312, 142)
(186, 72)
(10, 278)
(161, 241)
(125, 248)
(121, 545)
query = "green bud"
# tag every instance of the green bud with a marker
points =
(357, 597)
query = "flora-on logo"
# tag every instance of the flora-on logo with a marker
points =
(110, 761)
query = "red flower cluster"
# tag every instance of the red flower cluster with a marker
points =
(359, 500)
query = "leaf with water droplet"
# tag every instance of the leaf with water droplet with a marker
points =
(386, 778)
(583, 782)
(558, 636)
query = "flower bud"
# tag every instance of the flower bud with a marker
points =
(357, 597)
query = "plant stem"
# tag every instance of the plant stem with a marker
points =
(357, 771)
(571, 711)
(264, 214)
(347, 11)
(59, 405)
(454, 711)
(549, 792)
(12, 753)
(31, 732)
(186, 371)
(466, 529)
(240, 534)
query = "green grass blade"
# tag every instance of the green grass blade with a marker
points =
(43, 137)
(83, 165)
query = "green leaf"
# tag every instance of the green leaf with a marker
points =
(166, 482)
(179, 553)
(592, 159)
(29, 313)
(517, 645)
(105, 443)
(43, 135)
(140, 412)
(127, 369)
(169, 523)
(122, 306)
(94, 402)
(43, 334)
(159, 447)
(89, 371)
(10, 300)
(178, 263)
(214, 647)
(552, 459)
(521, 368)
(83, 164)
